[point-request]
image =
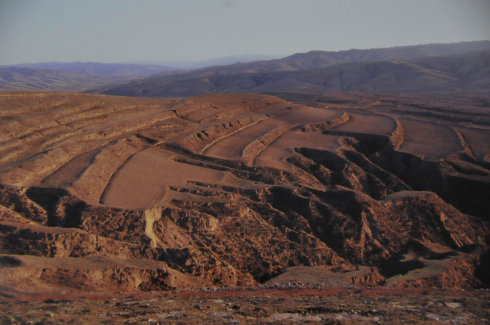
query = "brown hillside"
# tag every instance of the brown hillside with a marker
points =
(104, 193)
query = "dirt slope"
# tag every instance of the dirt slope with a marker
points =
(124, 194)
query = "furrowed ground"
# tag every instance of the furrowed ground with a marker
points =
(115, 194)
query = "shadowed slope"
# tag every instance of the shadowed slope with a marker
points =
(466, 72)
(232, 190)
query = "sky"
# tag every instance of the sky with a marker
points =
(34, 31)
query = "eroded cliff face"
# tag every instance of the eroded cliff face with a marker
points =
(118, 194)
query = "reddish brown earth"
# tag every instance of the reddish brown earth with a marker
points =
(114, 194)
(259, 306)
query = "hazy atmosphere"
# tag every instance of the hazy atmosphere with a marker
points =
(137, 31)
(244, 161)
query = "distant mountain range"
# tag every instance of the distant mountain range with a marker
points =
(15, 78)
(74, 76)
(100, 69)
(80, 76)
(226, 60)
(408, 69)
(422, 68)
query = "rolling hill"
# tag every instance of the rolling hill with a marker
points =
(119, 194)
(292, 73)
(75, 76)
(320, 59)
(135, 194)
(100, 69)
(14, 78)
(463, 72)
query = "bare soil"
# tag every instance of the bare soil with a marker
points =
(104, 195)
(262, 306)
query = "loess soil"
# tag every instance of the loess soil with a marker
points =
(114, 194)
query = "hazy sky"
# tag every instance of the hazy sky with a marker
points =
(144, 30)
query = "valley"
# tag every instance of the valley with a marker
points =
(234, 190)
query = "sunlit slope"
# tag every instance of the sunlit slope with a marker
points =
(231, 190)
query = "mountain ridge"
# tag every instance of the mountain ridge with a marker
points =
(104, 77)
(317, 58)
(463, 72)
(97, 68)
(29, 79)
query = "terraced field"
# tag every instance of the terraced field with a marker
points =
(232, 190)
(429, 140)
(477, 141)
(368, 123)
